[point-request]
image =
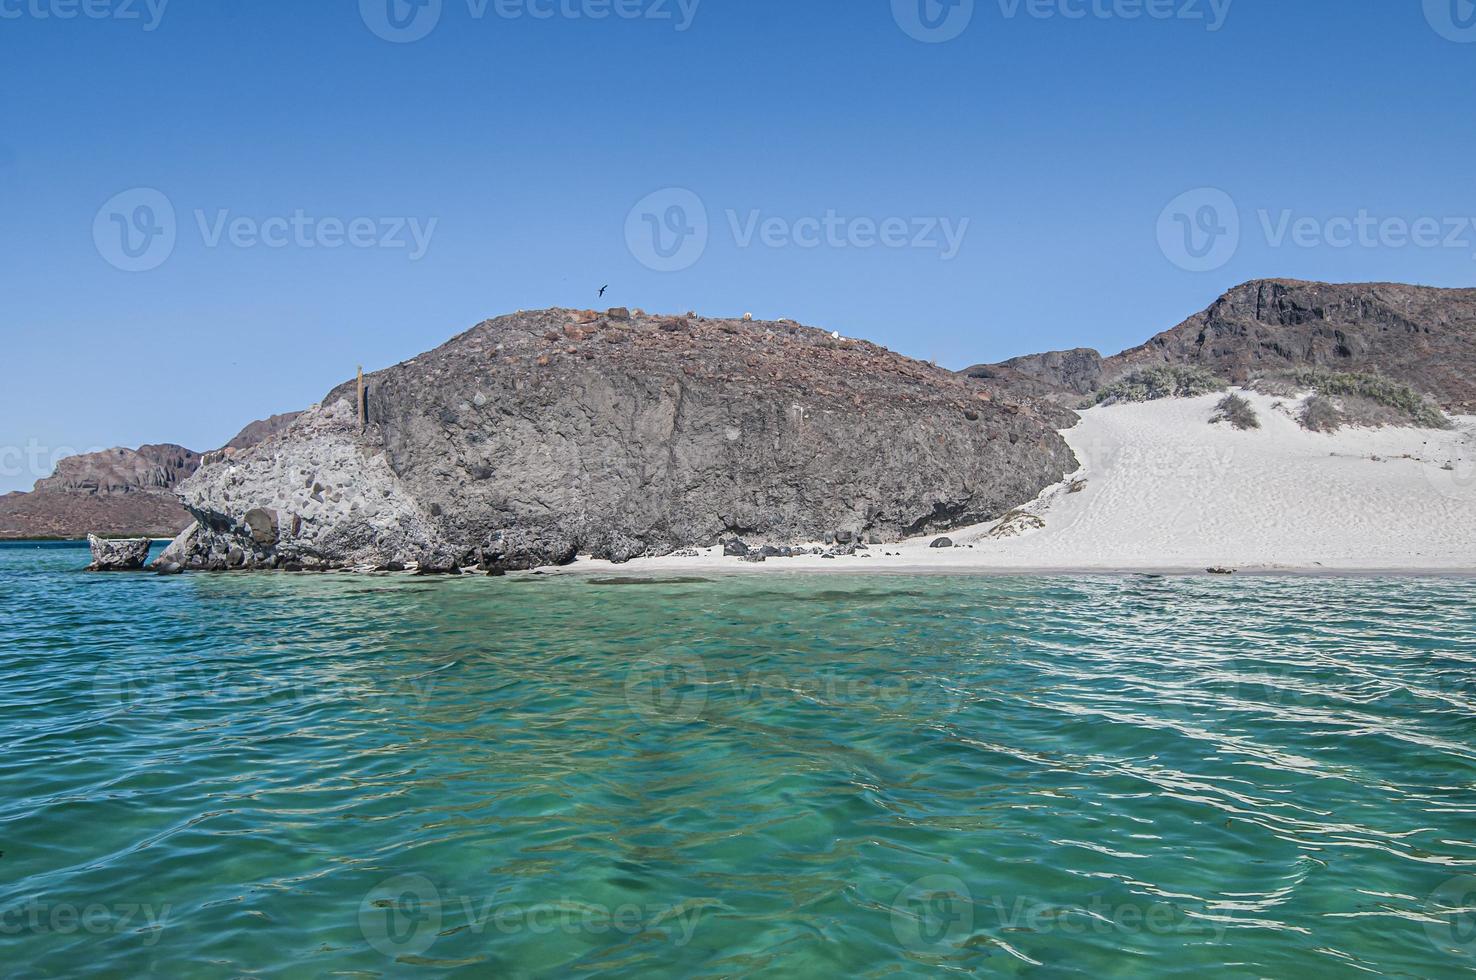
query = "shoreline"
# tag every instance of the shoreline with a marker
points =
(1160, 490)
(661, 568)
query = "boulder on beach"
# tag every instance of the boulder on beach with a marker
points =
(534, 436)
(117, 554)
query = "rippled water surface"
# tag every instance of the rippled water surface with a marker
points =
(787, 776)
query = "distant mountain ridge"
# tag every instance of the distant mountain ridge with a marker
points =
(116, 491)
(117, 471)
(1422, 336)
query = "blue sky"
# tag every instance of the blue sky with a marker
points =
(959, 183)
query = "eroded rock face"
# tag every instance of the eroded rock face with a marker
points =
(535, 437)
(117, 554)
(1422, 336)
(120, 471)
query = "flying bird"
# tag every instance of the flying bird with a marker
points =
(602, 290)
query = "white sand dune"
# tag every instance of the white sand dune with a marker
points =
(1167, 490)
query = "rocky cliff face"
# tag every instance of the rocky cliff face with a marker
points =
(120, 471)
(1419, 335)
(535, 436)
(116, 491)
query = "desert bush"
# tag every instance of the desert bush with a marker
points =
(1321, 414)
(1016, 523)
(1237, 411)
(1362, 399)
(1168, 381)
(1276, 385)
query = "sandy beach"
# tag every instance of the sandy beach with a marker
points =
(1161, 489)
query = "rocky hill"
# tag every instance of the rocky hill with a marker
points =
(115, 472)
(262, 429)
(536, 436)
(65, 514)
(1422, 336)
(115, 492)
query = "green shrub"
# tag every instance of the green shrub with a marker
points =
(1237, 411)
(1362, 399)
(1167, 381)
(1321, 414)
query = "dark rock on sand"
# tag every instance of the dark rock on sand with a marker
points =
(942, 543)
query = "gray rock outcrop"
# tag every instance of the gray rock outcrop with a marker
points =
(117, 554)
(535, 437)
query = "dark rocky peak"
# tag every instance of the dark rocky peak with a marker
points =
(1422, 336)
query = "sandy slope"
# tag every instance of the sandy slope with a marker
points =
(1167, 490)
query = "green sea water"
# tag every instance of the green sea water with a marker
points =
(777, 775)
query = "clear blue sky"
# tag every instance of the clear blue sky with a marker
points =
(1059, 139)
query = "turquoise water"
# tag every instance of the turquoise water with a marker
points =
(779, 776)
